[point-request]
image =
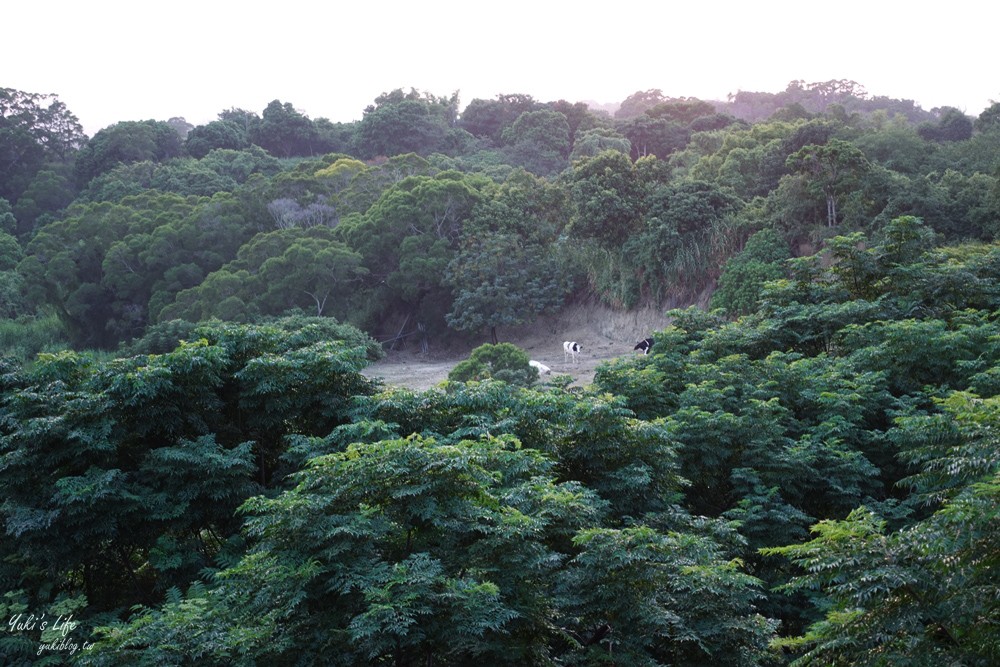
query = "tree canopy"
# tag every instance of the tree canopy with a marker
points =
(196, 468)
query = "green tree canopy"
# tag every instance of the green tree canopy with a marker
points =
(743, 276)
(500, 361)
(35, 129)
(539, 141)
(216, 134)
(282, 131)
(607, 195)
(274, 273)
(407, 123)
(501, 280)
(126, 142)
(121, 477)
(591, 142)
(488, 119)
(106, 266)
(459, 544)
(831, 169)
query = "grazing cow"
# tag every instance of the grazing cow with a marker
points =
(542, 368)
(644, 345)
(571, 349)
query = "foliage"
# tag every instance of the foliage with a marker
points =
(784, 417)
(126, 142)
(501, 361)
(108, 269)
(649, 136)
(539, 141)
(121, 477)
(23, 337)
(923, 594)
(237, 492)
(686, 232)
(451, 546)
(591, 142)
(47, 194)
(502, 281)
(607, 196)
(831, 170)
(275, 273)
(221, 170)
(952, 125)
(401, 123)
(284, 132)
(408, 237)
(218, 134)
(489, 118)
(743, 276)
(35, 130)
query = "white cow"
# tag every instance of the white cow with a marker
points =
(571, 349)
(542, 368)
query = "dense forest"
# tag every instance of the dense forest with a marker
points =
(803, 470)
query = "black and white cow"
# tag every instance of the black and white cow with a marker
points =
(571, 349)
(644, 345)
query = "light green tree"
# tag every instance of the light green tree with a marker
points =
(831, 169)
(498, 361)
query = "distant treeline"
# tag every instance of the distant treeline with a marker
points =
(468, 221)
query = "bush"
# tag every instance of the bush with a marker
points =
(744, 275)
(502, 361)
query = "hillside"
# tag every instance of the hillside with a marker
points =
(196, 465)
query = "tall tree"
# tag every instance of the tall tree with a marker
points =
(831, 169)
(35, 129)
(653, 136)
(408, 236)
(638, 102)
(539, 141)
(924, 594)
(401, 123)
(607, 194)
(503, 280)
(681, 110)
(216, 134)
(285, 132)
(591, 142)
(121, 477)
(126, 142)
(952, 125)
(488, 119)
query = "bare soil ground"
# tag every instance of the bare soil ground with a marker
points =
(604, 334)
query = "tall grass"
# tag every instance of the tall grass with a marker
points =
(698, 260)
(23, 338)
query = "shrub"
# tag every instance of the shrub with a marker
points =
(502, 361)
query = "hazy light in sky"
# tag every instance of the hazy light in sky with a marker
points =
(114, 61)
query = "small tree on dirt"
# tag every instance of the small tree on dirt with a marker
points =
(503, 361)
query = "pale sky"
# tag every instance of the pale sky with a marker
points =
(112, 61)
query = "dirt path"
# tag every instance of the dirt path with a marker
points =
(604, 334)
(421, 372)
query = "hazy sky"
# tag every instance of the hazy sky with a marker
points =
(136, 60)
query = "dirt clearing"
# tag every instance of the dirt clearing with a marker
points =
(604, 334)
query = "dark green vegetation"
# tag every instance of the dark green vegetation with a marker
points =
(503, 361)
(194, 470)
